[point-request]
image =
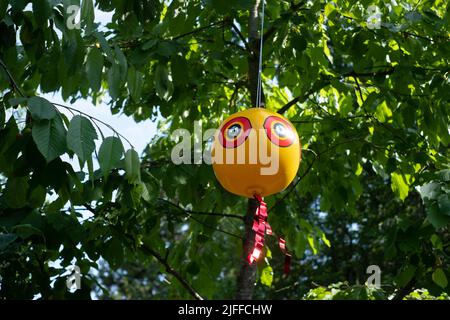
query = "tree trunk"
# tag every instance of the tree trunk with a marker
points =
(253, 59)
(247, 275)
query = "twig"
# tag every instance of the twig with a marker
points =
(202, 212)
(304, 96)
(172, 271)
(273, 28)
(295, 183)
(214, 228)
(332, 119)
(11, 78)
(239, 33)
(95, 119)
(359, 89)
(158, 257)
(232, 103)
(308, 169)
(217, 23)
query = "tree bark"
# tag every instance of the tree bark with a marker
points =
(247, 274)
(253, 59)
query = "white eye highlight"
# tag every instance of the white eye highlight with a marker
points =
(233, 131)
(280, 130)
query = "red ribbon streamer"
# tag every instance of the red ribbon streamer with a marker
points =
(261, 227)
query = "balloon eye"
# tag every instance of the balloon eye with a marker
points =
(279, 131)
(233, 131)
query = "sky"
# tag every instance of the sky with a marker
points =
(139, 133)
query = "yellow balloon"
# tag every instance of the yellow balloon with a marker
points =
(256, 152)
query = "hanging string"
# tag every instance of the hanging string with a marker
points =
(259, 84)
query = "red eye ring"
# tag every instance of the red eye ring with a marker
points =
(234, 132)
(279, 131)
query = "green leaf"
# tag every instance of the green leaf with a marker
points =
(16, 101)
(359, 169)
(105, 46)
(406, 275)
(267, 276)
(50, 138)
(37, 197)
(41, 12)
(109, 154)
(430, 191)
(312, 243)
(6, 239)
(132, 166)
(149, 44)
(193, 268)
(41, 109)
(163, 85)
(444, 174)
(325, 239)
(144, 193)
(16, 192)
(383, 112)
(134, 83)
(81, 136)
(94, 67)
(114, 81)
(399, 185)
(437, 218)
(26, 230)
(2, 115)
(90, 166)
(113, 252)
(166, 48)
(3, 7)
(436, 242)
(122, 60)
(440, 278)
(444, 203)
(87, 14)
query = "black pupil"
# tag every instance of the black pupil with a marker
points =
(280, 130)
(233, 131)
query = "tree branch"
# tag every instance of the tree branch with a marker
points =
(239, 33)
(247, 273)
(11, 79)
(216, 229)
(189, 213)
(292, 188)
(359, 89)
(308, 169)
(302, 97)
(94, 119)
(146, 249)
(149, 251)
(158, 257)
(319, 85)
(274, 27)
(217, 23)
(228, 215)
